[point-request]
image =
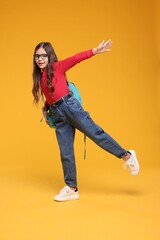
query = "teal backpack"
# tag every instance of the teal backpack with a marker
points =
(73, 89)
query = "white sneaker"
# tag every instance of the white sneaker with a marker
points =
(66, 194)
(132, 163)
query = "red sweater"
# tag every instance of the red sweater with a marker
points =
(59, 80)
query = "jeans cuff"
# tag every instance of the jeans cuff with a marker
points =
(124, 154)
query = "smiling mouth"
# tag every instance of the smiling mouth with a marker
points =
(40, 64)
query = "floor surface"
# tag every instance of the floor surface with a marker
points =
(113, 205)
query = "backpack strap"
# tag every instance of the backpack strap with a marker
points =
(85, 147)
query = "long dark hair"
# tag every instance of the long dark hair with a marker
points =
(37, 73)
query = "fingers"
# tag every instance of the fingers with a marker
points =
(108, 44)
(104, 46)
(102, 43)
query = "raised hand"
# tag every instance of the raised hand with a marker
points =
(103, 47)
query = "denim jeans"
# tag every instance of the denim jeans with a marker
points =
(69, 116)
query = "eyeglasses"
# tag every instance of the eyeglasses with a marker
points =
(37, 56)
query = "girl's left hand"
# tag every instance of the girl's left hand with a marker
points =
(103, 47)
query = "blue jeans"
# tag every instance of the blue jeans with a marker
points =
(68, 116)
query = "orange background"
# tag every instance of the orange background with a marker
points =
(120, 89)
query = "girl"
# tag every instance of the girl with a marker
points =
(49, 75)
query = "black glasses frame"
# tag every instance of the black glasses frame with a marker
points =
(37, 56)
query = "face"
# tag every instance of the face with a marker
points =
(41, 58)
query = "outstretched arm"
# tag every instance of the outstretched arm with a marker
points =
(66, 64)
(103, 47)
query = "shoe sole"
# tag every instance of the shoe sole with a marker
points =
(66, 199)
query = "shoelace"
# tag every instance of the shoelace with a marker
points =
(130, 165)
